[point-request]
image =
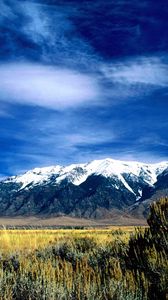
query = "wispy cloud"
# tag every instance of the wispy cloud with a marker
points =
(46, 86)
(86, 137)
(141, 70)
(55, 137)
(152, 139)
(73, 85)
(4, 113)
(45, 34)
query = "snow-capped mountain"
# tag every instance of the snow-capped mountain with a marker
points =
(78, 173)
(80, 189)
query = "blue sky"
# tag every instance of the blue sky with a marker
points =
(82, 80)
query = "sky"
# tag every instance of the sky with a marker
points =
(82, 80)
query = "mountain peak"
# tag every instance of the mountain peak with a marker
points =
(88, 189)
(78, 173)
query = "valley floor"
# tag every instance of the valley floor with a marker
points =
(70, 221)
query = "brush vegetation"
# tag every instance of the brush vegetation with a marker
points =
(114, 263)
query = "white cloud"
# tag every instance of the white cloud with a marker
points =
(46, 86)
(149, 71)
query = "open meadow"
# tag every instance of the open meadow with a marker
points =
(123, 263)
(24, 241)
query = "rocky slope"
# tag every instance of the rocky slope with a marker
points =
(92, 190)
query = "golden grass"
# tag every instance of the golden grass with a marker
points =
(23, 240)
(86, 264)
(42, 272)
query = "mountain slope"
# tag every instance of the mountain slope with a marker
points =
(159, 190)
(91, 190)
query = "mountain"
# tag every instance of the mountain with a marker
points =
(141, 208)
(93, 190)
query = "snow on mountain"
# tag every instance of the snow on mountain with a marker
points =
(78, 173)
(35, 176)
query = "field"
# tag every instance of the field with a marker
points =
(29, 240)
(120, 263)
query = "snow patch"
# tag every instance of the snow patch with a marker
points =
(78, 173)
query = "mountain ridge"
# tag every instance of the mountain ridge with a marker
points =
(106, 167)
(90, 190)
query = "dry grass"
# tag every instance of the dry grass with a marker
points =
(112, 262)
(21, 241)
(54, 264)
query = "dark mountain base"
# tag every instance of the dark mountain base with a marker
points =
(99, 199)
